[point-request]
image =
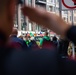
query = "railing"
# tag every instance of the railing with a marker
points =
(41, 1)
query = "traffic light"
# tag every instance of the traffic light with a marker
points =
(74, 2)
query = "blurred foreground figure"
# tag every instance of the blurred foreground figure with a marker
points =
(33, 62)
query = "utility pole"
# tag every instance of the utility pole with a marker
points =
(19, 17)
(55, 6)
(27, 21)
(72, 17)
(60, 8)
(73, 46)
(67, 15)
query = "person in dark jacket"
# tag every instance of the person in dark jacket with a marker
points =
(16, 42)
(46, 42)
(55, 40)
(46, 37)
(33, 45)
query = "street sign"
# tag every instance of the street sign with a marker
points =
(65, 5)
(68, 4)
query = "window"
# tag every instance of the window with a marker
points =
(65, 12)
(64, 18)
(74, 11)
(51, 1)
(50, 8)
(30, 2)
(57, 10)
(75, 18)
(57, 1)
(70, 18)
(43, 0)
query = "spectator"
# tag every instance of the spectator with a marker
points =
(27, 40)
(55, 41)
(16, 42)
(33, 45)
(46, 37)
(46, 42)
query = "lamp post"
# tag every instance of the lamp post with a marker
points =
(60, 7)
(55, 6)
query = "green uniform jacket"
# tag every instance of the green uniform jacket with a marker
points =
(46, 37)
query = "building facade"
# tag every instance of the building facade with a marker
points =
(23, 23)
